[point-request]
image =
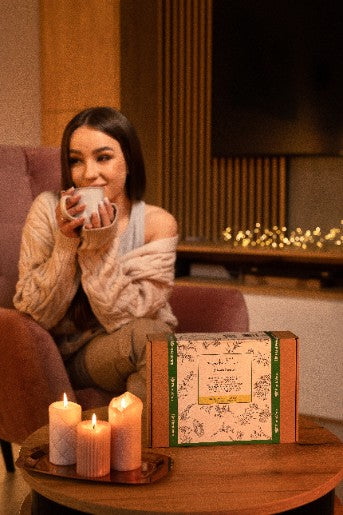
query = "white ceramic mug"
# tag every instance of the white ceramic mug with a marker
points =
(90, 196)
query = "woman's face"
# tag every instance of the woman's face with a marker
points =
(96, 159)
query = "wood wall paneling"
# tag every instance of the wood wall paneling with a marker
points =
(80, 56)
(140, 83)
(185, 38)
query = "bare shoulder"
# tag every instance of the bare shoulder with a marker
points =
(159, 223)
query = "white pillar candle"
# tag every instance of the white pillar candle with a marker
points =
(63, 419)
(125, 417)
(93, 448)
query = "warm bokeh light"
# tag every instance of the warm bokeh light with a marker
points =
(278, 238)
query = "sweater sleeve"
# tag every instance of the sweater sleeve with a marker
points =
(135, 285)
(48, 271)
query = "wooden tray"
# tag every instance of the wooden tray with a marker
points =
(154, 467)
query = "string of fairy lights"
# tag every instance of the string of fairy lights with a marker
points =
(280, 238)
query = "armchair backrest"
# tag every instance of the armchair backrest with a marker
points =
(24, 173)
(209, 309)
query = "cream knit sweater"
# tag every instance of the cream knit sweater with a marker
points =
(119, 288)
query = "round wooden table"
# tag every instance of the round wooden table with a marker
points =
(234, 479)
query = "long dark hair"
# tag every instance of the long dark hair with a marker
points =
(113, 123)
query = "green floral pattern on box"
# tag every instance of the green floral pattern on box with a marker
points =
(224, 388)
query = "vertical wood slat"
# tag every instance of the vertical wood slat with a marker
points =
(236, 193)
(181, 207)
(217, 206)
(205, 194)
(221, 219)
(208, 111)
(243, 204)
(160, 110)
(164, 41)
(282, 192)
(274, 191)
(185, 37)
(203, 40)
(194, 127)
(267, 192)
(227, 167)
(252, 187)
(174, 107)
(255, 192)
(259, 191)
(187, 224)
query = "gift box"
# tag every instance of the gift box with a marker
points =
(222, 388)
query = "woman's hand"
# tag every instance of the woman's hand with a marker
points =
(104, 218)
(70, 228)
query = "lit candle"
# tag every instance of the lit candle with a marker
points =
(125, 417)
(93, 448)
(63, 419)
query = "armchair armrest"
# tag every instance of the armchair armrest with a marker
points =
(32, 375)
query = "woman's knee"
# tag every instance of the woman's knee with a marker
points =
(142, 327)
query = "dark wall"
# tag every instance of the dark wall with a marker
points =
(277, 77)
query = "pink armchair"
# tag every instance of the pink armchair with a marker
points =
(31, 369)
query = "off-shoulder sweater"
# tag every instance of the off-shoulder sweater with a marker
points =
(119, 288)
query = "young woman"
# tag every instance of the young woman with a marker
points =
(99, 287)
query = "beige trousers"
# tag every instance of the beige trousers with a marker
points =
(116, 362)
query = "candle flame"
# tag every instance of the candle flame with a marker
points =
(123, 403)
(65, 400)
(94, 420)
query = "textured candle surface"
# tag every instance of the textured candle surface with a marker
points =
(63, 420)
(125, 417)
(93, 448)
